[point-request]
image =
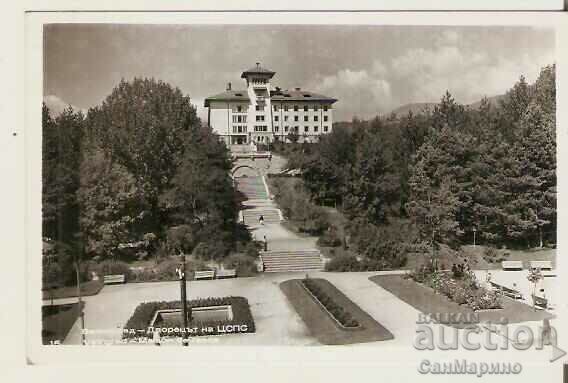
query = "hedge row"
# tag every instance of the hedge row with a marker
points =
(143, 314)
(342, 315)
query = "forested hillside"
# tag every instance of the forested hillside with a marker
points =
(445, 174)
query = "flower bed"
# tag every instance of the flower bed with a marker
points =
(465, 290)
(342, 316)
(139, 323)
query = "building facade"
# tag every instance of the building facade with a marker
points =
(263, 114)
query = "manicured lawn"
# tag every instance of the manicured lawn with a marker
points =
(87, 288)
(425, 300)
(322, 326)
(57, 320)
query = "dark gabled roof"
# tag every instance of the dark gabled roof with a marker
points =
(257, 70)
(299, 95)
(230, 95)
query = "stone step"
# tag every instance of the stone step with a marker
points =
(290, 260)
(286, 253)
(260, 211)
(295, 258)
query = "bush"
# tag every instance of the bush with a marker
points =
(113, 267)
(343, 262)
(338, 312)
(329, 238)
(462, 291)
(244, 264)
(166, 271)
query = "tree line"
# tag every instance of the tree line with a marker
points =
(450, 173)
(138, 176)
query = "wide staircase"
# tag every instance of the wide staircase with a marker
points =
(252, 187)
(251, 216)
(291, 260)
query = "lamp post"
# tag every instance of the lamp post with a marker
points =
(182, 285)
(80, 303)
(474, 232)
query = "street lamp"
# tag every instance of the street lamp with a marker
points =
(182, 285)
(474, 232)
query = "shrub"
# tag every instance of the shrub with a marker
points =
(113, 267)
(338, 312)
(329, 238)
(244, 264)
(343, 262)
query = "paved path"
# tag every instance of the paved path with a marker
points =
(277, 322)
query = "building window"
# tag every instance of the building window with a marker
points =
(276, 108)
(239, 109)
(285, 118)
(286, 128)
(295, 108)
(305, 118)
(306, 129)
(295, 118)
(325, 118)
(315, 118)
(315, 129)
(316, 108)
(260, 118)
(296, 129)
(305, 108)
(276, 129)
(325, 108)
(275, 118)
(325, 129)
(260, 108)
(285, 108)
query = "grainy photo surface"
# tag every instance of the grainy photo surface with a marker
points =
(392, 186)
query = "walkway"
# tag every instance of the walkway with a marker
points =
(279, 238)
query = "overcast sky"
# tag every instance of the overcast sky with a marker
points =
(369, 69)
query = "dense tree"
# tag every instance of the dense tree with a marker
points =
(491, 168)
(142, 126)
(113, 205)
(61, 161)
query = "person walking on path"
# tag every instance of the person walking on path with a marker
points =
(261, 219)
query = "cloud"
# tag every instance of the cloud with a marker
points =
(360, 91)
(453, 61)
(56, 105)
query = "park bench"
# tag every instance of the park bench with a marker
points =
(207, 274)
(511, 293)
(543, 265)
(540, 302)
(114, 278)
(226, 273)
(512, 265)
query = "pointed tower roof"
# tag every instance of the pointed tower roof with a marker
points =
(257, 70)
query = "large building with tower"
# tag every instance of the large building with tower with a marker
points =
(262, 113)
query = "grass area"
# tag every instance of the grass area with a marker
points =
(87, 288)
(425, 300)
(476, 255)
(57, 320)
(321, 324)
